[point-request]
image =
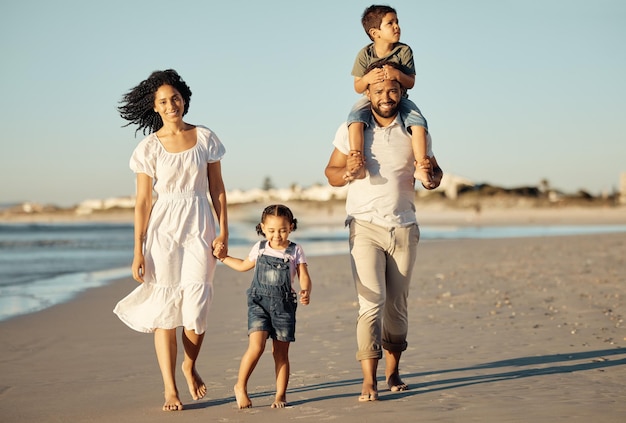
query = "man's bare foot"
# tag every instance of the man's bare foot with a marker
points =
(368, 393)
(279, 402)
(197, 388)
(172, 403)
(243, 400)
(395, 383)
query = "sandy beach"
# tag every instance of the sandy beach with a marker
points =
(502, 330)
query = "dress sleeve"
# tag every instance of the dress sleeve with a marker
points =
(143, 159)
(215, 150)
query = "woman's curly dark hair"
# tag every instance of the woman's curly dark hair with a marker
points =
(277, 210)
(137, 105)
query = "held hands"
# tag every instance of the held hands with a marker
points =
(424, 172)
(355, 165)
(220, 248)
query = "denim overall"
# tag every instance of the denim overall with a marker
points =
(271, 301)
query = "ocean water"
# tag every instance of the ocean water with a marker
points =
(46, 264)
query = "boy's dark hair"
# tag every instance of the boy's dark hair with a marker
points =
(138, 103)
(373, 17)
(277, 210)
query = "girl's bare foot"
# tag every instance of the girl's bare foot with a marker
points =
(395, 383)
(243, 400)
(197, 388)
(368, 393)
(172, 403)
(279, 402)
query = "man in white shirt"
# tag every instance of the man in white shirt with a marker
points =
(383, 231)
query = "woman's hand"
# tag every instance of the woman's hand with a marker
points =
(220, 247)
(139, 267)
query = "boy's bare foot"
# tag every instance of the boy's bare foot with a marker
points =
(368, 393)
(243, 400)
(395, 383)
(172, 403)
(279, 402)
(197, 388)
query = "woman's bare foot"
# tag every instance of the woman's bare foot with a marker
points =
(395, 383)
(243, 400)
(368, 393)
(172, 402)
(197, 388)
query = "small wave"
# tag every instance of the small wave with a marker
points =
(44, 293)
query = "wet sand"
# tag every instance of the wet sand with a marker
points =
(506, 330)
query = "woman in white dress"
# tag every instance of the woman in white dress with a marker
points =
(176, 234)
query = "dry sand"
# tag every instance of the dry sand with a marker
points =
(507, 330)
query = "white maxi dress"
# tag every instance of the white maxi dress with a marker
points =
(179, 264)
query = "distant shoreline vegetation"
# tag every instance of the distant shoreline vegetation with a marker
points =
(454, 192)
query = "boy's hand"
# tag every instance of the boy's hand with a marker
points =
(304, 296)
(374, 76)
(391, 73)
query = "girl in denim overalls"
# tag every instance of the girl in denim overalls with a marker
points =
(271, 299)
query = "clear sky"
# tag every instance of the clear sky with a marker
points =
(514, 91)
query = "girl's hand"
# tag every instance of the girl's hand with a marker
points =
(138, 267)
(304, 296)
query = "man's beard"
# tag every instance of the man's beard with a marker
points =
(388, 113)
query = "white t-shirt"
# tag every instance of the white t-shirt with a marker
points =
(294, 260)
(386, 195)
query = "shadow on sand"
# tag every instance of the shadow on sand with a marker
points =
(527, 367)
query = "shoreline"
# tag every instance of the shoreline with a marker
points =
(495, 325)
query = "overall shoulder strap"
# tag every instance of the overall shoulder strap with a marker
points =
(291, 249)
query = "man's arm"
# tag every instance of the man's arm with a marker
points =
(337, 171)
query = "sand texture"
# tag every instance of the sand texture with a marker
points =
(505, 330)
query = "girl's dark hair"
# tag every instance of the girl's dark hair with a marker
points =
(137, 105)
(277, 210)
